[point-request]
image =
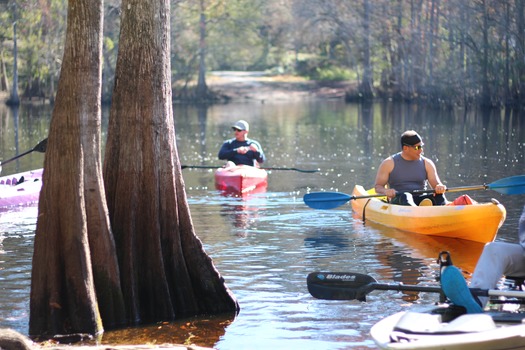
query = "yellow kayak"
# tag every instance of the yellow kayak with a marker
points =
(477, 222)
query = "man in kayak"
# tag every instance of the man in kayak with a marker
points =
(241, 149)
(408, 171)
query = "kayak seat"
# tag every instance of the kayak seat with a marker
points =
(463, 200)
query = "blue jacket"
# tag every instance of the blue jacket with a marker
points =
(228, 152)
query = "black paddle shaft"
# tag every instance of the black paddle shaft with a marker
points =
(41, 147)
(268, 168)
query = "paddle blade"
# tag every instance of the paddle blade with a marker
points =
(325, 200)
(340, 285)
(41, 147)
(509, 185)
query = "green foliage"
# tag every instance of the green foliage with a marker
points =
(332, 73)
(323, 70)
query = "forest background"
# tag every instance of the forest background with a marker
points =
(443, 52)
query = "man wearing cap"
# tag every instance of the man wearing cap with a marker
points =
(408, 171)
(241, 149)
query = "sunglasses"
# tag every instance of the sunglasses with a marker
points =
(417, 148)
(236, 130)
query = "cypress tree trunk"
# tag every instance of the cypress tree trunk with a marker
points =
(72, 212)
(165, 272)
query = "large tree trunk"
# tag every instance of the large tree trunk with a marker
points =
(485, 98)
(202, 88)
(72, 213)
(14, 99)
(165, 272)
(367, 84)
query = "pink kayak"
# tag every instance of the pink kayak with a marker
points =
(240, 179)
(20, 189)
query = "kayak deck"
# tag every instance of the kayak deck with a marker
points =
(20, 189)
(426, 331)
(240, 179)
(476, 222)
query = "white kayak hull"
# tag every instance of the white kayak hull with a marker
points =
(511, 336)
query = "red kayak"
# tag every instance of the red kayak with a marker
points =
(241, 179)
(20, 189)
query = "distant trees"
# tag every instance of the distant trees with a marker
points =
(442, 52)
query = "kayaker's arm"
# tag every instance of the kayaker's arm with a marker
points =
(227, 151)
(256, 148)
(433, 177)
(383, 174)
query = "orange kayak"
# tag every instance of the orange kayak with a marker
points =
(240, 179)
(477, 222)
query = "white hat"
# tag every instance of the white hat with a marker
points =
(241, 125)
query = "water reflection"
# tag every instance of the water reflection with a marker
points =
(205, 331)
(242, 210)
(326, 240)
(265, 245)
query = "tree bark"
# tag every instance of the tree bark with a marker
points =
(72, 212)
(202, 88)
(165, 271)
(366, 88)
(14, 99)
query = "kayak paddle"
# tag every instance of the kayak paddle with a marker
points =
(217, 167)
(41, 147)
(330, 200)
(355, 286)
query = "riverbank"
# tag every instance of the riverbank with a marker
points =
(235, 86)
(258, 86)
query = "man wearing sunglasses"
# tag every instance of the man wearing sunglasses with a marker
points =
(241, 149)
(408, 171)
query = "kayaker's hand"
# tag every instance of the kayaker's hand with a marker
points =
(440, 189)
(242, 150)
(254, 148)
(390, 193)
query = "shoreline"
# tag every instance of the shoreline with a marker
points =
(237, 86)
(258, 86)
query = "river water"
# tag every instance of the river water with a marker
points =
(266, 244)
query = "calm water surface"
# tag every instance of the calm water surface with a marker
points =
(265, 244)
